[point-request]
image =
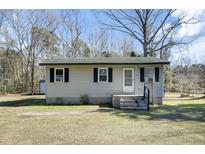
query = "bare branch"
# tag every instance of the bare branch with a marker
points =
(148, 27)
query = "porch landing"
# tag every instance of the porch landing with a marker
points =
(129, 102)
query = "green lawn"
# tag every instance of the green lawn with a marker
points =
(27, 120)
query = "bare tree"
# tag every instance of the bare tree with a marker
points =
(70, 32)
(127, 48)
(49, 40)
(1, 18)
(154, 30)
(15, 26)
(37, 22)
(27, 29)
(98, 43)
(102, 43)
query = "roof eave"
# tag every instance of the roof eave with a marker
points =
(150, 63)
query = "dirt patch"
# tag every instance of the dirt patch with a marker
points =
(71, 113)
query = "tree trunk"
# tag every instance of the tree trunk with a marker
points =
(161, 54)
(145, 49)
(145, 45)
(22, 75)
(4, 77)
(32, 73)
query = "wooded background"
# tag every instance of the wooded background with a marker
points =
(29, 36)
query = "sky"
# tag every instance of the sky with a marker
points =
(196, 50)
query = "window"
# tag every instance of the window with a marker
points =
(103, 74)
(59, 75)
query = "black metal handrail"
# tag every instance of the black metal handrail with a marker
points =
(146, 96)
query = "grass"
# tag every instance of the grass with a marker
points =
(178, 121)
(38, 104)
(64, 108)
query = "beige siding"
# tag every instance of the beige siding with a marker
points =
(158, 87)
(81, 82)
(139, 86)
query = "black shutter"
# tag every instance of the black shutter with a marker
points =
(66, 76)
(109, 74)
(142, 74)
(51, 74)
(156, 74)
(95, 75)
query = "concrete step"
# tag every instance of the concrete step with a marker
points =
(132, 104)
(141, 103)
(133, 108)
(127, 97)
(128, 104)
(127, 100)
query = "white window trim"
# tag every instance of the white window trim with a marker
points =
(99, 75)
(55, 75)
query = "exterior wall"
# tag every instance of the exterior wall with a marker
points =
(81, 83)
(156, 88)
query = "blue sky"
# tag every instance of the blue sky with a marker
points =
(92, 24)
(196, 50)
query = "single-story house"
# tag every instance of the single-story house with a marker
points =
(104, 80)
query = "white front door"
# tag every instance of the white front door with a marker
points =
(128, 80)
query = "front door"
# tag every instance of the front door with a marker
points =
(128, 80)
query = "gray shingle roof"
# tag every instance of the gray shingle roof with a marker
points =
(104, 60)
